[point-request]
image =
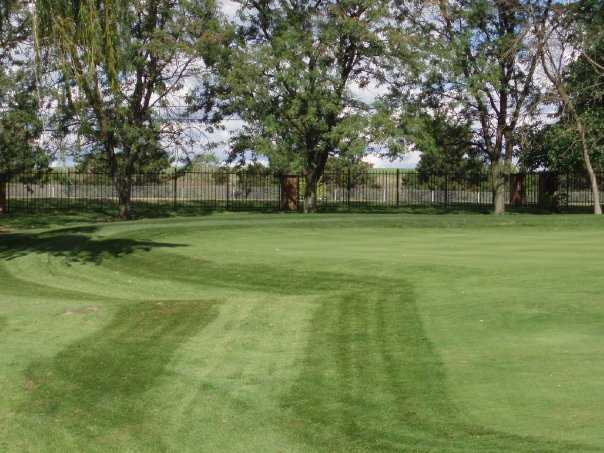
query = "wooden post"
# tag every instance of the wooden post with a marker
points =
(290, 185)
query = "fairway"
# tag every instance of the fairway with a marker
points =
(303, 333)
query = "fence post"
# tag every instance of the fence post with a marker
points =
(3, 194)
(175, 189)
(446, 189)
(398, 188)
(228, 189)
(298, 203)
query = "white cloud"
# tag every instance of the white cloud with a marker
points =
(228, 8)
(368, 94)
(409, 160)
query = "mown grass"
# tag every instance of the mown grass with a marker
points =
(264, 332)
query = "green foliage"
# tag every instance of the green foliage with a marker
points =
(478, 77)
(557, 146)
(446, 147)
(585, 78)
(344, 172)
(121, 60)
(20, 127)
(290, 78)
(20, 124)
(95, 161)
(203, 161)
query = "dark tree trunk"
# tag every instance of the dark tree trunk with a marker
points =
(593, 180)
(498, 181)
(124, 193)
(312, 179)
(310, 194)
(3, 195)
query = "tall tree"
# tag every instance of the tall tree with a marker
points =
(571, 43)
(291, 80)
(20, 125)
(480, 62)
(120, 61)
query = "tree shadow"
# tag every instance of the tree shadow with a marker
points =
(95, 386)
(30, 217)
(76, 245)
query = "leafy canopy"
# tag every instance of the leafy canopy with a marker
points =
(20, 124)
(293, 75)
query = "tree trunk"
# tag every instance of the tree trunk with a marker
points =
(312, 179)
(310, 194)
(498, 181)
(124, 192)
(3, 195)
(595, 190)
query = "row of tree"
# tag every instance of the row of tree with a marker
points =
(472, 84)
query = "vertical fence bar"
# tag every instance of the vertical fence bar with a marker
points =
(398, 188)
(228, 189)
(175, 189)
(349, 184)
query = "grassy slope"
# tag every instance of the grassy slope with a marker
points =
(304, 333)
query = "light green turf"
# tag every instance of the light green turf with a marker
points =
(292, 333)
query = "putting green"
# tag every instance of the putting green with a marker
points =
(251, 332)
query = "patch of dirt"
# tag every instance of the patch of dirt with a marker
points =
(29, 384)
(296, 424)
(89, 309)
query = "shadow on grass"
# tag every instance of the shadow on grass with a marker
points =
(74, 244)
(29, 217)
(96, 385)
(372, 381)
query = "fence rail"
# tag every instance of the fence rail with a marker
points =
(237, 190)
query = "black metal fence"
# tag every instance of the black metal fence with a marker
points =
(245, 190)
